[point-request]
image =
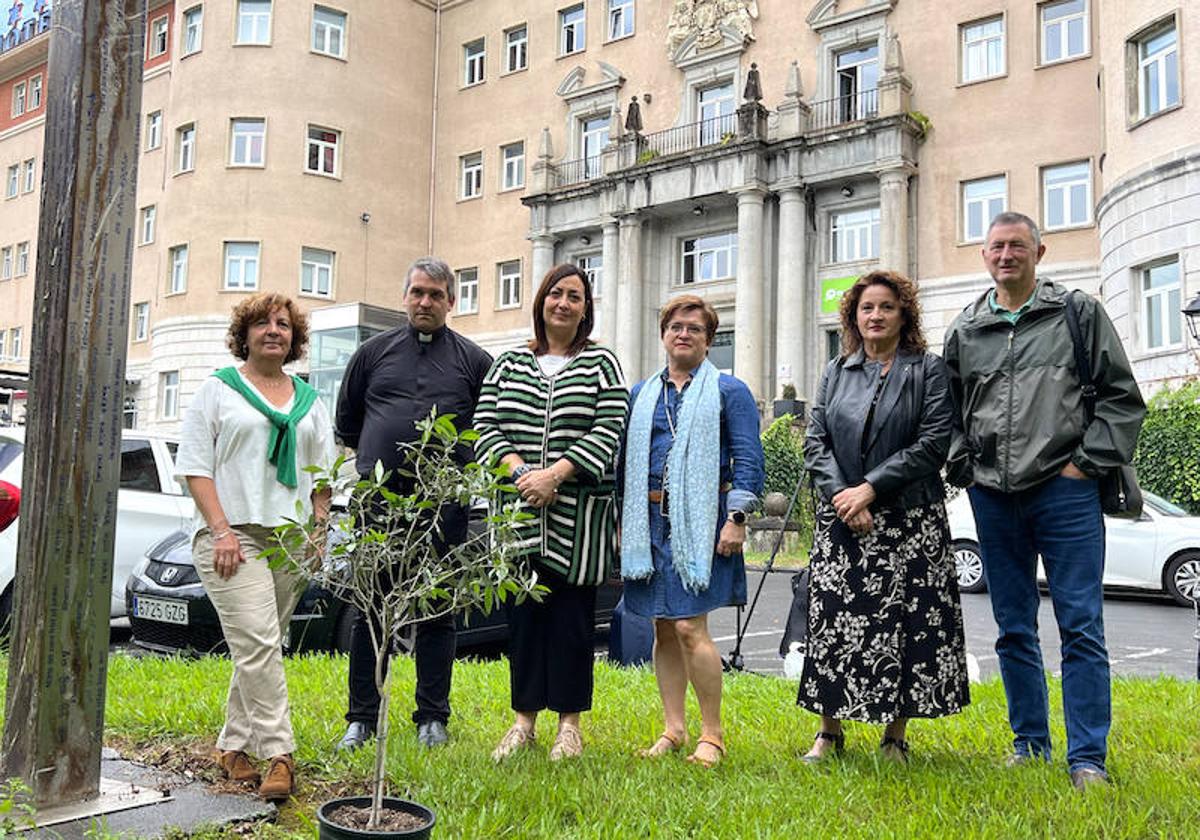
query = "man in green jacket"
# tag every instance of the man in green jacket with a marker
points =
(1025, 449)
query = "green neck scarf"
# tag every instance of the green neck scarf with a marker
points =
(281, 450)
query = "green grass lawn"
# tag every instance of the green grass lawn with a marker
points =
(169, 711)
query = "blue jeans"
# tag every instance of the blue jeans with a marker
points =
(1060, 520)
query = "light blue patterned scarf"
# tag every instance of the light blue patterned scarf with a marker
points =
(693, 480)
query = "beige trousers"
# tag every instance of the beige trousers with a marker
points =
(255, 606)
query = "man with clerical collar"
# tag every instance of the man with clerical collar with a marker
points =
(393, 380)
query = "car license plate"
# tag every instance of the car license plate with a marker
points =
(160, 609)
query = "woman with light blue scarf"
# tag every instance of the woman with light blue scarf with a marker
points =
(693, 469)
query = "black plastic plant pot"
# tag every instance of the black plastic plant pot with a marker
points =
(334, 831)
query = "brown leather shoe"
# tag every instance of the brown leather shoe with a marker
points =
(280, 782)
(237, 767)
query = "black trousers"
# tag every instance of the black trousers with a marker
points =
(550, 649)
(434, 649)
(434, 652)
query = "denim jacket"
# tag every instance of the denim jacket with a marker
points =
(908, 439)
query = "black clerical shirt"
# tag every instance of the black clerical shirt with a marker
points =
(395, 378)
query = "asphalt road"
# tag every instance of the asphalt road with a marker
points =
(1147, 635)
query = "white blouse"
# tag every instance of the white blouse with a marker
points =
(225, 438)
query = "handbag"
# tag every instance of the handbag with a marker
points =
(797, 619)
(1120, 494)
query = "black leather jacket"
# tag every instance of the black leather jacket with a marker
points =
(909, 436)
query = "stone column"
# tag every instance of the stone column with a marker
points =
(893, 220)
(791, 304)
(608, 297)
(630, 293)
(543, 258)
(749, 322)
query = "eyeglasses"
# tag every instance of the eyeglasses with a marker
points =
(676, 328)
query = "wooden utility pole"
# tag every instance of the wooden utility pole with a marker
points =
(54, 711)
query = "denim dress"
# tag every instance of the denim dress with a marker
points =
(662, 595)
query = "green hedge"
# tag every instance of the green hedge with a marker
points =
(783, 451)
(1168, 450)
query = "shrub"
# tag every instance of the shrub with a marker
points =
(783, 451)
(1168, 450)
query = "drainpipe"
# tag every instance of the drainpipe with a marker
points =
(437, 57)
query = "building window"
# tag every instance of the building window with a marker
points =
(18, 99)
(158, 37)
(30, 175)
(241, 266)
(129, 413)
(592, 267)
(857, 78)
(6, 262)
(1064, 30)
(1067, 195)
(22, 258)
(193, 29)
(717, 109)
(323, 146)
(148, 218)
(468, 291)
(854, 235)
(35, 92)
(179, 270)
(1158, 69)
(3, 344)
(594, 137)
(471, 180)
(185, 142)
(168, 395)
(474, 58)
(153, 130)
(711, 257)
(316, 272)
(16, 343)
(982, 49)
(141, 321)
(516, 55)
(508, 284)
(254, 22)
(248, 138)
(982, 200)
(1161, 303)
(620, 19)
(572, 36)
(329, 32)
(13, 181)
(513, 156)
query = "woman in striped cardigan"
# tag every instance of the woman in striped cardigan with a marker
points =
(554, 413)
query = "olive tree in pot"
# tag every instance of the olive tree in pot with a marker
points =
(383, 557)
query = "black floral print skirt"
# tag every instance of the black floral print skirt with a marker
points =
(885, 632)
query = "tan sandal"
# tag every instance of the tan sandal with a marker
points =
(515, 739)
(708, 763)
(567, 744)
(653, 751)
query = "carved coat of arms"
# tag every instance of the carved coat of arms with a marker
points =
(706, 18)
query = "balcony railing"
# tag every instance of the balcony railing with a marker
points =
(580, 170)
(853, 107)
(684, 138)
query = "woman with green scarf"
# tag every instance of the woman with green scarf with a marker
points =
(247, 435)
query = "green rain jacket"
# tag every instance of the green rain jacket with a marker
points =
(1019, 415)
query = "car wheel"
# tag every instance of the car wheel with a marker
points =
(968, 562)
(1182, 578)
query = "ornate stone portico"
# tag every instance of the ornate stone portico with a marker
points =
(736, 206)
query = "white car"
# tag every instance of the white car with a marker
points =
(1160, 551)
(151, 504)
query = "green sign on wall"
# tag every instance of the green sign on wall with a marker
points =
(832, 291)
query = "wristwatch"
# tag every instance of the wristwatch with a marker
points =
(521, 470)
(737, 517)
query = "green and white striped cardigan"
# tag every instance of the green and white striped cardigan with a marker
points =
(578, 414)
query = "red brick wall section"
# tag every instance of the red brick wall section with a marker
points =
(7, 120)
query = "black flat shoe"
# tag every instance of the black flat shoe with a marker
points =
(894, 749)
(839, 746)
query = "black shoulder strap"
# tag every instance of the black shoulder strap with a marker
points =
(1083, 367)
